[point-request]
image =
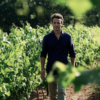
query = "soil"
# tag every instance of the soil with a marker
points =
(86, 93)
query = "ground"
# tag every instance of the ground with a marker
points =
(86, 93)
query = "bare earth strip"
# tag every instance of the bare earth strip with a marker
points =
(85, 93)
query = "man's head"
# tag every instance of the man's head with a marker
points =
(58, 16)
(57, 21)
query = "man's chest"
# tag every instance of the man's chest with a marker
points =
(54, 42)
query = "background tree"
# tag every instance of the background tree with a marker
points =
(91, 18)
(36, 12)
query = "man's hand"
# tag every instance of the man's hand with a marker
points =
(73, 61)
(42, 68)
(43, 74)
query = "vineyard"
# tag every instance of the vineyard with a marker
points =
(20, 59)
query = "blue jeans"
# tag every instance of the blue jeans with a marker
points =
(56, 91)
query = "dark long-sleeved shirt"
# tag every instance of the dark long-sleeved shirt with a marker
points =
(57, 50)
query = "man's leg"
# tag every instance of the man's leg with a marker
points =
(53, 89)
(61, 92)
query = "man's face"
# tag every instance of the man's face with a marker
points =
(57, 23)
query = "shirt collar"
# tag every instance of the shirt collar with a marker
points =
(61, 32)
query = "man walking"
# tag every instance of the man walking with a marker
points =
(57, 44)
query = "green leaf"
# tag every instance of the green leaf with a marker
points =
(50, 78)
(60, 66)
(87, 77)
(79, 7)
(8, 93)
(3, 56)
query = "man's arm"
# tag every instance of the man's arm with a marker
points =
(73, 61)
(72, 52)
(43, 57)
(42, 67)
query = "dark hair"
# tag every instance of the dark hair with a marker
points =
(57, 15)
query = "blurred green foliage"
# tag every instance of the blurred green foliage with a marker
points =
(71, 75)
(79, 7)
(92, 17)
(36, 12)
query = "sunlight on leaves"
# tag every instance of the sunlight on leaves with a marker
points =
(77, 7)
(50, 78)
(39, 10)
(25, 10)
(61, 2)
(60, 66)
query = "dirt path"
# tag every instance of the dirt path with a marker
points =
(86, 93)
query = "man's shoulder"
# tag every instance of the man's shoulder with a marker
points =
(66, 34)
(48, 35)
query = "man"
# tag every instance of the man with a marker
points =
(57, 45)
